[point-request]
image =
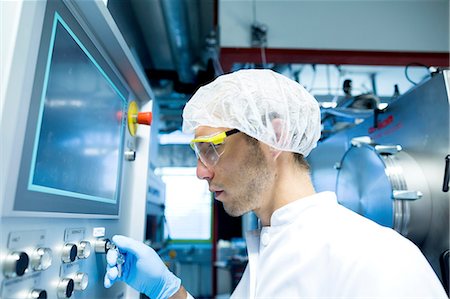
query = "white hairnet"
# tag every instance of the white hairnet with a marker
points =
(260, 103)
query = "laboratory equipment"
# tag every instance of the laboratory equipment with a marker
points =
(73, 173)
(391, 168)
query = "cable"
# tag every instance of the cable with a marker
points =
(313, 81)
(415, 64)
(263, 57)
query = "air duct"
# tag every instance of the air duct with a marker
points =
(176, 21)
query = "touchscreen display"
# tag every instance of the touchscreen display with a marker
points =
(79, 132)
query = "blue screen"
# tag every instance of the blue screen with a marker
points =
(77, 151)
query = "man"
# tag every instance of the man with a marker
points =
(253, 129)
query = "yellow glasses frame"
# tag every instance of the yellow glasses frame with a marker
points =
(214, 139)
(211, 156)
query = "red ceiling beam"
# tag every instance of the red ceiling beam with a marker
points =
(229, 56)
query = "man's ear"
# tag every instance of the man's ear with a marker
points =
(277, 125)
(275, 153)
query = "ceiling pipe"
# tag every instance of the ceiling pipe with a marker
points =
(175, 18)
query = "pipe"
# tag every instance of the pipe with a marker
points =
(175, 18)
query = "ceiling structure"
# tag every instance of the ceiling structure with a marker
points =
(178, 44)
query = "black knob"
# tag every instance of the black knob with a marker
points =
(69, 253)
(38, 294)
(16, 263)
(22, 263)
(70, 288)
(65, 288)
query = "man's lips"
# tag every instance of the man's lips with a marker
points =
(217, 193)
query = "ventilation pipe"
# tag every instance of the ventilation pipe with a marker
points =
(175, 18)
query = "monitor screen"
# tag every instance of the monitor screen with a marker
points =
(72, 155)
(76, 149)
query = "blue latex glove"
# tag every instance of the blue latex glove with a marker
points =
(142, 269)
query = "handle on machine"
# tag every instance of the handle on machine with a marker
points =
(446, 174)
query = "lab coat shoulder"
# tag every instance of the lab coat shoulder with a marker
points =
(328, 251)
(369, 260)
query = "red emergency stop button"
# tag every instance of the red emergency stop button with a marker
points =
(135, 118)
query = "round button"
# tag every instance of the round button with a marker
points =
(265, 239)
(15, 264)
(102, 245)
(81, 281)
(41, 259)
(84, 249)
(38, 294)
(69, 253)
(65, 288)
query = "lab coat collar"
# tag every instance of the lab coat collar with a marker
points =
(290, 212)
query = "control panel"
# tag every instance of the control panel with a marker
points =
(74, 160)
(37, 265)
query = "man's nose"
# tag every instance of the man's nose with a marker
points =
(203, 172)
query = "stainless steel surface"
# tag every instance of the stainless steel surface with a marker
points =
(388, 149)
(102, 245)
(38, 294)
(41, 259)
(363, 186)
(380, 187)
(15, 264)
(81, 281)
(418, 121)
(69, 253)
(84, 249)
(407, 194)
(65, 288)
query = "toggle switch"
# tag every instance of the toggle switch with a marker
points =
(69, 253)
(81, 281)
(84, 249)
(38, 294)
(15, 264)
(65, 288)
(41, 259)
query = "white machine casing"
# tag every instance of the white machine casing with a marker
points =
(59, 254)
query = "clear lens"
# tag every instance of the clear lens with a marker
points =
(207, 153)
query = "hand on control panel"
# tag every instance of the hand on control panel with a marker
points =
(142, 269)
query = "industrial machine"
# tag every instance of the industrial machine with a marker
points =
(74, 164)
(393, 167)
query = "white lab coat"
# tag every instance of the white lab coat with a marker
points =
(316, 248)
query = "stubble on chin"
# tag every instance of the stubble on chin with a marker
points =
(254, 182)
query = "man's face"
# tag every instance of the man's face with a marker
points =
(241, 179)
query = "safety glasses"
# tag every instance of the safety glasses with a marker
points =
(209, 148)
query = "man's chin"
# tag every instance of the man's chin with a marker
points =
(233, 212)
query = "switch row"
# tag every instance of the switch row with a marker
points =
(66, 287)
(17, 262)
(71, 251)
(77, 282)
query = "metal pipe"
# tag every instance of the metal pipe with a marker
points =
(175, 18)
